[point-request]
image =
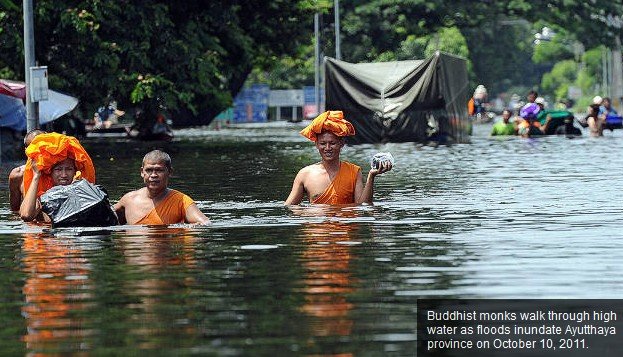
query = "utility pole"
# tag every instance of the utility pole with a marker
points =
(338, 51)
(32, 120)
(605, 87)
(317, 62)
(617, 73)
(616, 22)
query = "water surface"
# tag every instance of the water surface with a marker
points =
(497, 218)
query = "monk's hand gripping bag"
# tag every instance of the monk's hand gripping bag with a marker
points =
(80, 204)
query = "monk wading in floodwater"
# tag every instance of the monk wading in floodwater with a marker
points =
(332, 181)
(156, 203)
(53, 160)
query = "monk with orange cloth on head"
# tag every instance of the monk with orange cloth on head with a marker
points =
(53, 159)
(332, 181)
(156, 204)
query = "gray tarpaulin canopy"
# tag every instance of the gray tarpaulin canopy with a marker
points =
(402, 101)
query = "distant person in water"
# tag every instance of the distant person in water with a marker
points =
(595, 122)
(532, 96)
(529, 126)
(156, 203)
(53, 159)
(504, 126)
(606, 109)
(332, 181)
(16, 176)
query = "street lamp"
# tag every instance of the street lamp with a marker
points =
(546, 34)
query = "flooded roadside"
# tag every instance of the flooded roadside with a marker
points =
(509, 218)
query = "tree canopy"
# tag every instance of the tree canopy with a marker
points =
(196, 55)
(499, 36)
(191, 55)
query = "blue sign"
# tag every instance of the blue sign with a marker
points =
(309, 93)
(251, 104)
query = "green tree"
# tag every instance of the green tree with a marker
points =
(555, 49)
(499, 36)
(449, 40)
(592, 60)
(560, 49)
(501, 54)
(287, 72)
(560, 78)
(196, 55)
(412, 47)
(8, 4)
(189, 55)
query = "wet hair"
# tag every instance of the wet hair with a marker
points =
(28, 138)
(595, 110)
(158, 156)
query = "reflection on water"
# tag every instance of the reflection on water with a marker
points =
(57, 291)
(497, 218)
(154, 255)
(328, 277)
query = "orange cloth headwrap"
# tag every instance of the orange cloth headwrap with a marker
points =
(332, 121)
(49, 149)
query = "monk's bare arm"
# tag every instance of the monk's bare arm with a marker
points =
(298, 189)
(367, 193)
(30, 207)
(15, 188)
(363, 193)
(119, 209)
(194, 215)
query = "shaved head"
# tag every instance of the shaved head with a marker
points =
(31, 135)
(158, 156)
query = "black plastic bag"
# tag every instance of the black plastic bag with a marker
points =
(80, 204)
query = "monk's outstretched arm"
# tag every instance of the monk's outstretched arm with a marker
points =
(298, 190)
(194, 215)
(367, 193)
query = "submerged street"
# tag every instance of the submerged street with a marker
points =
(496, 218)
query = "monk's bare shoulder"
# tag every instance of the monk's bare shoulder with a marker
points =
(309, 172)
(303, 172)
(132, 196)
(312, 169)
(17, 173)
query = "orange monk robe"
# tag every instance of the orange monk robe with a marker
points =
(332, 121)
(471, 107)
(342, 189)
(172, 209)
(51, 148)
